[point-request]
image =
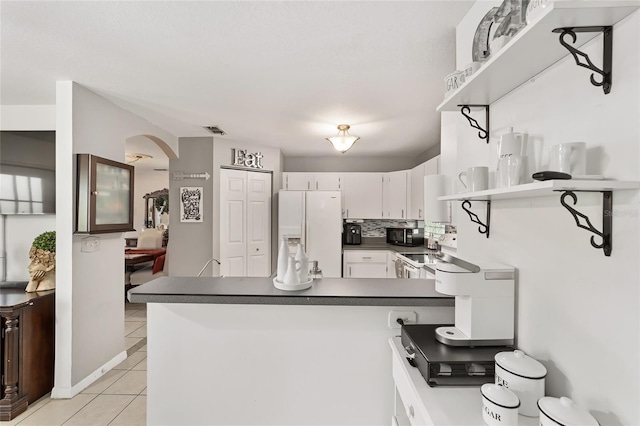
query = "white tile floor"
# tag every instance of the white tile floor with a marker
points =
(117, 398)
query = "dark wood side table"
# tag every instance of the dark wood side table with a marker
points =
(27, 321)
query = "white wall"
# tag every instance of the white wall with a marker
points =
(346, 163)
(90, 286)
(577, 310)
(27, 117)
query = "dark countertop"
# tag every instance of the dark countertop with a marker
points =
(325, 291)
(12, 294)
(380, 244)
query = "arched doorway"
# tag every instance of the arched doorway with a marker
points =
(150, 156)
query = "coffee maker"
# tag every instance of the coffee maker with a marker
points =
(485, 308)
(352, 234)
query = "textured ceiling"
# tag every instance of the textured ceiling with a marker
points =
(280, 74)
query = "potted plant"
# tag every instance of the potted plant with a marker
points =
(161, 203)
(42, 269)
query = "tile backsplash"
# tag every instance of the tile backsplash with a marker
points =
(377, 227)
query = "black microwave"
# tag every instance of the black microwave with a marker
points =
(412, 237)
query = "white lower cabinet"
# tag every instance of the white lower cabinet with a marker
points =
(391, 264)
(365, 264)
(408, 407)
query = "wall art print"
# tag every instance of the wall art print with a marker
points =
(191, 204)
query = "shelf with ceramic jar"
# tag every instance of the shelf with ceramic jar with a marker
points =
(568, 188)
(536, 47)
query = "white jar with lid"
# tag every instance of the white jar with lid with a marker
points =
(563, 411)
(499, 405)
(524, 376)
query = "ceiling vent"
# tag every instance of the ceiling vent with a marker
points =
(215, 130)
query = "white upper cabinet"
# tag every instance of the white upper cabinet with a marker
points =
(432, 167)
(298, 181)
(362, 195)
(294, 181)
(395, 195)
(417, 195)
(416, 199)
(328, 182)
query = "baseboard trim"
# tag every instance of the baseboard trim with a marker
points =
(65, 393)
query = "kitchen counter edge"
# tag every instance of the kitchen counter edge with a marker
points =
(325, 291)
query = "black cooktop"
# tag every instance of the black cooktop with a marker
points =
(423, 338)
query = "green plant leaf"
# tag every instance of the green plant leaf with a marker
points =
(46, 241)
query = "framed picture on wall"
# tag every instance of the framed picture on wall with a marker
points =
(191, 204)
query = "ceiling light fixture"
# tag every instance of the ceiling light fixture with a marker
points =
(132, 158)
(343, 141)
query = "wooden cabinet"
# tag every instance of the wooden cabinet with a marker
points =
(295, 181)
(395, 195)
(365, 264)
(104, 195)
(362, 195)
(27, 321)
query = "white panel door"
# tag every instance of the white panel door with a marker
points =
(245, 223)
(258, 224)
(233, 235)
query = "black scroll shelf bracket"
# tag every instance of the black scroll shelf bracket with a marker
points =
(483, 229)
(466, 110)
(582, 59)
(582, 221)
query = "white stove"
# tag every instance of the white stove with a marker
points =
(417, 265)
(422, 265)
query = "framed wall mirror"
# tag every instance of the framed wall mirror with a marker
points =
(156, 204)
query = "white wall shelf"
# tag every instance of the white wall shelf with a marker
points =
(534, 49)
(568, 188)
(543, 189)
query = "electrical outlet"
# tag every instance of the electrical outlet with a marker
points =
(409, 317)
(90, 244)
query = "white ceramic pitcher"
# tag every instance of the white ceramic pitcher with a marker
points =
(291, 277)
(511, 158)
(302, 257)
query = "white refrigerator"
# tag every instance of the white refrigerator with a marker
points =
(313, 218)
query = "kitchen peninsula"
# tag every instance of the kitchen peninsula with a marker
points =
(239, 351)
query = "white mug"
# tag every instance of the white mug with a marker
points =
(509, 171)
(568, 158)
(477, 178)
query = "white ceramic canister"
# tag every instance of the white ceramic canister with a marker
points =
(499, 405)
(524, 376)
(563, 411)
